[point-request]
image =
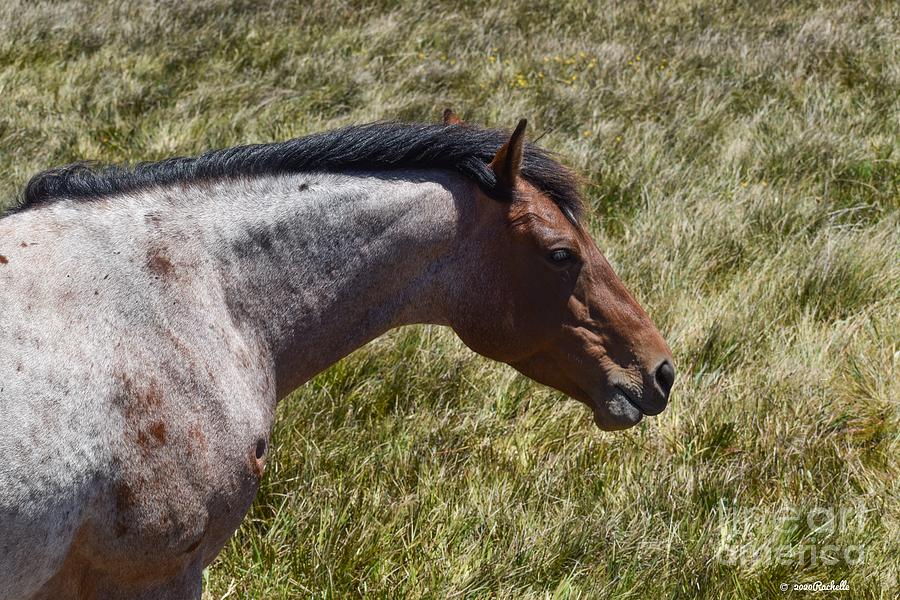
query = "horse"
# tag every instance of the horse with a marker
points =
(155, 314)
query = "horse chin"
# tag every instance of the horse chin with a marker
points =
(615, 412)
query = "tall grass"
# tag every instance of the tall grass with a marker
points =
(744, 165)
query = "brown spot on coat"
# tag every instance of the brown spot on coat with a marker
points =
(196, 440)
(140, 404)
(195, 432)
(23, 245)
(158, 431)
(139, 399)
(3, 260)
(159, 264)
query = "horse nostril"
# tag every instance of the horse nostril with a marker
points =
(665, 377)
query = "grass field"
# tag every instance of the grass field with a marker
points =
(743, 162)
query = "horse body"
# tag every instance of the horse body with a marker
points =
(148, 335)
(143, 385)
(129, 435)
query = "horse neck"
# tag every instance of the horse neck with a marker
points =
(318, 265)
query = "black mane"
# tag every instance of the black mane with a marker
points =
(391, 145)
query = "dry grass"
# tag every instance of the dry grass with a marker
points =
(744, 169)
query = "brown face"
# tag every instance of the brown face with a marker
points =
(548, 303)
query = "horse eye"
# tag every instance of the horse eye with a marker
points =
(560, 255)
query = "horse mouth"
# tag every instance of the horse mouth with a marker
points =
(640, 403)
(630, 398)
(616, 411)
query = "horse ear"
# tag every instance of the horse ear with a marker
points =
(451, 118)
(508, 160)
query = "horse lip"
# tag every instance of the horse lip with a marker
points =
(639, 403)
(630, 399)
(605, 415)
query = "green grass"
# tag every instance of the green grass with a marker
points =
(743, 162)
